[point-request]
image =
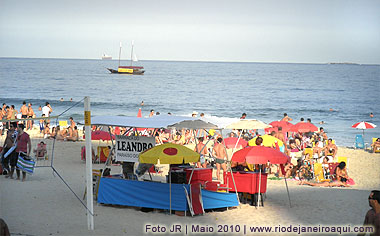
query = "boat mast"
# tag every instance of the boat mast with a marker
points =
(119, 54)
(132, 53)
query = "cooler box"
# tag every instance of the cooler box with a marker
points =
(200, 175)
(246, 182)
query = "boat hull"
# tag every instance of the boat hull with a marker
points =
(130, 72)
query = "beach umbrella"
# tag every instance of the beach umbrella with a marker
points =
(303, 127)
(281, 123)
(261, 155)
(363, 125)
(248, 124)
(100, 135)
(268, 141)
(193, 124)
(169, 153)
(232, 142)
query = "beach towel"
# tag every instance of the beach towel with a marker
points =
(25, 164)
(350, 181)
(10, 151)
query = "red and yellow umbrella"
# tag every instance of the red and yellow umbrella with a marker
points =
(169, 153)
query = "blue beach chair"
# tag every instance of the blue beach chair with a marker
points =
(359, 142)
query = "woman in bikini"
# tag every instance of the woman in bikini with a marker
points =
(341, 178)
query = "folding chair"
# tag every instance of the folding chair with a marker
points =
(377, 149)
(359, 142)
(319, 173)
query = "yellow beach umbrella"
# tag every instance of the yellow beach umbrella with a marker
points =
(268, 141)
(169, 153)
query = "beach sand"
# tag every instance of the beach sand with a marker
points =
(43, 205)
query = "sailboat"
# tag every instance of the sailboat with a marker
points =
(135, 70)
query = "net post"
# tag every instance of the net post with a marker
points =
(90, 198)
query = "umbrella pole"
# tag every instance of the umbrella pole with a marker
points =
(170, 192)
(196, 148)
(233, 150)
(232, 175)
(258, 197)
(287, 189)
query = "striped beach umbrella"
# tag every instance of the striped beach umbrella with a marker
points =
(363, 125)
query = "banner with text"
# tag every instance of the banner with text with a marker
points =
(129, 147)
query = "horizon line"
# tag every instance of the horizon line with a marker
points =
(211, 61)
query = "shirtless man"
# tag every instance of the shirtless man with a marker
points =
(30, 115)
(330, 149)
(202, 150)
(372, 218)
(24, 112)
(286, 118)
(151, 113)
(220, 155)
(72, 123)
(73, 134)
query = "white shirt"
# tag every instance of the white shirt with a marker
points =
(46, 111)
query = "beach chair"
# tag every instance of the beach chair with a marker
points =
(377, 149)
(345, 159)
(40, 152)
(318, 173)
(308, 151)
(332, 168)
(63, 124)
(359, 142)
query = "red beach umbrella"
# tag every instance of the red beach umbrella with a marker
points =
(363, 125)
(259, 155)
(281, 123)
(231, 142)
(303, 127)
(101, 135)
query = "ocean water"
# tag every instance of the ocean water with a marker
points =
(221, 90)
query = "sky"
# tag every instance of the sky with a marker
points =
(295, 31)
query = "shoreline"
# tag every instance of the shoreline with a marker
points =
(44, 200)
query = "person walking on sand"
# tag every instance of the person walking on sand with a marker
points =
(372, 218)
(9, 142)
(220, 155)
(23, 147)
